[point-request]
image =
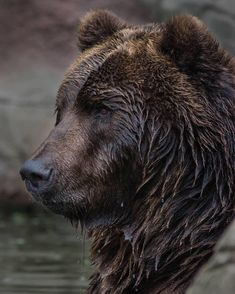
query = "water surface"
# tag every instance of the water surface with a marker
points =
(41, 253)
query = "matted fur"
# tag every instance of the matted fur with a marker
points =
(146, 163)
(186, 197)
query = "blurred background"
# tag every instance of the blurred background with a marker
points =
(41, 252)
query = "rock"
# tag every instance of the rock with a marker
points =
(218, 274)
(26, 115)
(223, 26)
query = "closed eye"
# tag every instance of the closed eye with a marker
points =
(58, 116)
(102, 111)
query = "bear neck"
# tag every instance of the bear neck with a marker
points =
(181, 208)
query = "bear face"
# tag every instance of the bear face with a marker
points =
(93, 148)
(144, 144)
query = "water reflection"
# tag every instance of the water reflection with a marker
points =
(41, 253)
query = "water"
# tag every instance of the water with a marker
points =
(41, 253)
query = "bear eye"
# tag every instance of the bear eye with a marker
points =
(58, 116)
(101, 110)
(104, 111)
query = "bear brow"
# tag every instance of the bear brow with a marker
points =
(74, 83)
(67, 94)
(71, 90)
(80, 73)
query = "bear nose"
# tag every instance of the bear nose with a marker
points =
(35, 174)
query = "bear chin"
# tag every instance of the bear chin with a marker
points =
(61, 204)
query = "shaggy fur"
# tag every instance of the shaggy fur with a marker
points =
(143, 150)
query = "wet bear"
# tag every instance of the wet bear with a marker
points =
(142, 152)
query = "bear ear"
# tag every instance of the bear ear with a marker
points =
(189, 44)
(96, 26)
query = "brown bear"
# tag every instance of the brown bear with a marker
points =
(142, 152)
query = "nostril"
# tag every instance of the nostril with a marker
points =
(41, 176)
(35, 172)
(38, 177)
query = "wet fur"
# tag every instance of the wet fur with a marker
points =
(186, 197)
(160, 168)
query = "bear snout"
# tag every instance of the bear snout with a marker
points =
(37, 175)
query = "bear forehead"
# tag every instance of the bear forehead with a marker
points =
(132, 58)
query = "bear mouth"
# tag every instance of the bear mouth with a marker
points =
(58, 202)
(52, 201)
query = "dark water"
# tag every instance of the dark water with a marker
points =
(41, 253)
